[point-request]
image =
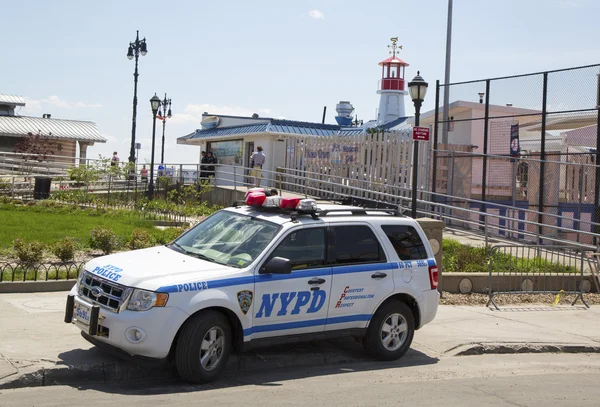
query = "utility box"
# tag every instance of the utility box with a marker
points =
(434, 229)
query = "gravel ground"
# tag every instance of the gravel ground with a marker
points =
(516, 299)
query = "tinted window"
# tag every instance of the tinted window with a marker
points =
(356, 244)
(305, 248)
(406, 242)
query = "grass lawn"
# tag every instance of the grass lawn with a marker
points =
(48, 225)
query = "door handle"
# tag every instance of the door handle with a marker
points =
(378, 275)
(316, 281)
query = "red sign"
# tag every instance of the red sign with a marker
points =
(421, 133)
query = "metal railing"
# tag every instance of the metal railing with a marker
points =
(521, 269)
(19, 271)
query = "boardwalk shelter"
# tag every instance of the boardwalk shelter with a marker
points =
(72, 137)
(286, 144)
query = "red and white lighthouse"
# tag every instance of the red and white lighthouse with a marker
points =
(392, 86)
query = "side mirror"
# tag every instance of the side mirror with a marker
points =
(277, 265)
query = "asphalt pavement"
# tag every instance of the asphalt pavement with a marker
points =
(38, 349)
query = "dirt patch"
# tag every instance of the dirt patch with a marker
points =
(515, 299)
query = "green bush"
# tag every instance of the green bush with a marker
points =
(168, 235)
(103, 239)
(65, 249)
(140, 238)
(28, 252)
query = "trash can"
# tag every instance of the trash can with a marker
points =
(41, 189)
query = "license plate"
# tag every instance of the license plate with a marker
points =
(82, 314)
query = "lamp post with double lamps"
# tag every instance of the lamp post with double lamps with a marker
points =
(136, 48)
(163, 116)
(418, 89)
(155, 105)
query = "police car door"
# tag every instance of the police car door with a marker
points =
(294, 303)
(362, 275)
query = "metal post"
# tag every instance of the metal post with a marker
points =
(135, 81)
(162, 151)
(485, 149)
(450, 183)
(234, 179)
(413, 209)
(436, 124)
(597, 178)
(12, 188)
(151, 186)
(447, 74)
(542, 158)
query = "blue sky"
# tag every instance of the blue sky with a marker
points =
(285, 58)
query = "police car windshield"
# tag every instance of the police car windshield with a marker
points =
(228, 238)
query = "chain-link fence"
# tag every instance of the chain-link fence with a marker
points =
(519, 155)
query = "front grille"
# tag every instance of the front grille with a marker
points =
(112, 296)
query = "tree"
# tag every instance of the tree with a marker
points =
(36, 147)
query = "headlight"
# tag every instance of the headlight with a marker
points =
(142, 300)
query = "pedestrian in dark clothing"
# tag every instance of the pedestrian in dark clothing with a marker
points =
(210, 169)
(204, 166)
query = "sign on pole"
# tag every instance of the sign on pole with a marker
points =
(421, 133)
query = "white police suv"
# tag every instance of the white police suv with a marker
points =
(268, 270)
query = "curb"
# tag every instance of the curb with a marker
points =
(121, 371)
(36, 286)
(513, 348)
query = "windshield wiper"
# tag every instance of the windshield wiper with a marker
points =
(193, 254)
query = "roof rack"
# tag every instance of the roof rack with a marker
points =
(361, 211)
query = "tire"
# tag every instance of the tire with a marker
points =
(203, 334)
(390, 332)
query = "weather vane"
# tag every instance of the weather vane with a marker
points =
(394, 46)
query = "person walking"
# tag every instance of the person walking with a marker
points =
(210, 169)
(114, 161)
(257, 160)
(204, 166)
(144, 174)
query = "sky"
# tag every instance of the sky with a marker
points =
(282, 59)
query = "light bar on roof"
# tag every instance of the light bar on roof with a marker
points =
(258, 199)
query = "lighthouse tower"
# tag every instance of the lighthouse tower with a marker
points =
(392, 86)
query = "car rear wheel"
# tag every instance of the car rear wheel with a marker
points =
(391, 331)
(203, 347)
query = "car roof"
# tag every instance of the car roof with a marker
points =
(326, 213)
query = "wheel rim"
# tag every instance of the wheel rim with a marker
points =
(393, 332)
(211, 348)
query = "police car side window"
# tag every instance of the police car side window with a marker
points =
(305, 248)
(356, 244)
(406, 242)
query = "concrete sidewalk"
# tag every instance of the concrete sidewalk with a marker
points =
(37, 348)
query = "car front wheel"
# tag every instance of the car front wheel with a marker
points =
(203, 347)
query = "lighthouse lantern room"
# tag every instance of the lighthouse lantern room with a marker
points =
(392, 86)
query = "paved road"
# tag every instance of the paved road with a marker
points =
(500, 380)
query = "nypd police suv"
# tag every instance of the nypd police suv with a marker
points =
(265, 271)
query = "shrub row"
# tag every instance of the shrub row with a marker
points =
(102, 239)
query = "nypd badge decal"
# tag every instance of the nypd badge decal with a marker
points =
(245, 300)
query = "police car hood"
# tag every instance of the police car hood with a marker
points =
(156, 267)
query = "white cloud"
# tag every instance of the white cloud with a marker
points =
(55, 101)
(193, 113)
(316, 14)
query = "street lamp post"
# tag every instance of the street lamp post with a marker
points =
(418, 89)
(164, 115)
(155, 104)
(135, 49)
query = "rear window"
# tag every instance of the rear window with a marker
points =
(356, 244)
(406, 242)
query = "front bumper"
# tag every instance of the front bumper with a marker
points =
(157, 328)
